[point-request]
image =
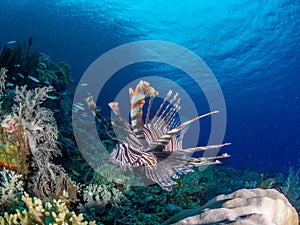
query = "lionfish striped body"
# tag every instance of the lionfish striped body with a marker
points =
(154, 146)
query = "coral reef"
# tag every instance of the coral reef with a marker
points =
(37, 212)
(42, 133)
(96, 197)
(33, 68)
(36, 130)
(11, 189)
(245, 206)
(14, 148)
(2, 79)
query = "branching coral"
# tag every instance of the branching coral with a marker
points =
(55, 212)
(2, 79)
(98, 196)
(42, 133)
(11, 188)
(108, 173)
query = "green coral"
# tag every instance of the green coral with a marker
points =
(291, 187)
(65, 74)
(14, 149)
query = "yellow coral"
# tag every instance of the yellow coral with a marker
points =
(51, 213)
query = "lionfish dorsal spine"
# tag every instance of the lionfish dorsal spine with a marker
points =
(115, 108)
(156, 116)
(137, 101)
(152, 97)
(169, 118)
(162, 121)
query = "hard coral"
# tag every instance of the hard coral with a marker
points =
(245, 206)
(96, 197)
(37, 212)
(11, 188)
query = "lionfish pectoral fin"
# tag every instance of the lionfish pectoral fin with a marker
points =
(199, 149)
(201, 161)
(163, 141)
(162, 175)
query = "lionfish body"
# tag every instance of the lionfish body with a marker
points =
(154, 146)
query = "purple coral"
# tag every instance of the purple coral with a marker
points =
(11, 124)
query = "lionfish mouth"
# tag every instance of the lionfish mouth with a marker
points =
(153, 146)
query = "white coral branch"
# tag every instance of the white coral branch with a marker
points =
(11, 187)
(2, 79)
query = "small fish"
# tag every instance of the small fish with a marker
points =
(47, 82)
(11, 42)
(53, 97)
(75, 110)
(84, 114)
(79, 103)
(34, 79)
(21, 75)
(75, 172)
(8, 84)
(13, 78)
(79, 107)
(17, 65)
(56, 110)
(83, 85)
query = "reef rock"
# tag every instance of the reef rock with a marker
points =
(245, 206)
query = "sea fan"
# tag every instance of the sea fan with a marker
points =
(153, 147)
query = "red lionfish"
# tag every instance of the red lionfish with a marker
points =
(148, 144)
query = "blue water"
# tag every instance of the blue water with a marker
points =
(252, 47)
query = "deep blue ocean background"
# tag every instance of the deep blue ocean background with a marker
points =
(252, 47)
